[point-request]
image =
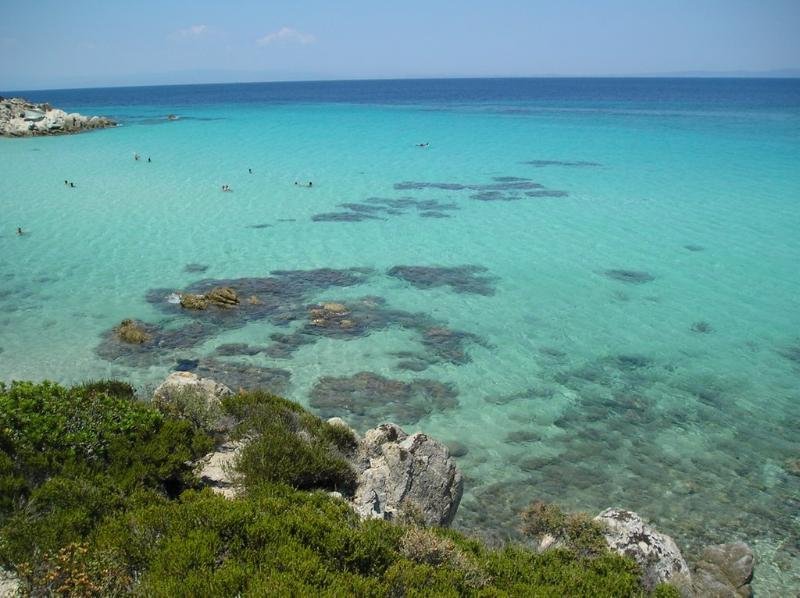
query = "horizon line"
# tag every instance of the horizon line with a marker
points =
(678, 75)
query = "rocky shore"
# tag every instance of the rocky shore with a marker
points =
(400, 475)
(20, 118)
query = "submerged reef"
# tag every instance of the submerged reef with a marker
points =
(629, 276)
(461, 279)
(503, 188)
(378, 208)
(366, 397)
(567, 163)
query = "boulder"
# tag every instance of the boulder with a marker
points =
(216, 469)
(187, 395)
(657, 554)
(130, 332)
(405, 476)
(19, 118)
(190, 301)
(223, 297)
(724, 571)
(9, 584)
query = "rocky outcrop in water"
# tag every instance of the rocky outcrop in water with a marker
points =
(724, 570)
(657, 554)
(20, 118)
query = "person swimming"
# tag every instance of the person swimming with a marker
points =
(66, 183)
(135, 156)
(250, 170)
(426, 144)
(72, 185)
(148, 158)
(19, 231)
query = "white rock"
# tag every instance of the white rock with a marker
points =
(401, 474)
(657, 554)
(217, 469)
(180, 384)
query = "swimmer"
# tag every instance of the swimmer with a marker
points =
(250, 170)
(72, 185)
(148, 159)
(426, 144)
(19, 231)
(66, 183)
(135, 156)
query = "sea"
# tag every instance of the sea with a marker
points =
(589, 288)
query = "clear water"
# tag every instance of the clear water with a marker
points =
(580, 386)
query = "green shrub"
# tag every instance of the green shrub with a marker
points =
(289, 445)
(575, 531)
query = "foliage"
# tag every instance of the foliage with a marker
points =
(98, 500)
(290, 445)
(575, 531)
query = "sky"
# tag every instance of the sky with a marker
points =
(82, 43)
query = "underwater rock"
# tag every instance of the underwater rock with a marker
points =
(629, 276)
(702, 327)
(656, 553)
(132, 332)
(461, 279)
(433, 214)
(523, 437)
(406, 476)
(547, 193)
(568, 163)
(412, 185)
(792, 353)
(195, 268)
(245, 376)
(457, 448)
(232, 349)
(724, 570)
(366, 397)
(343, 217)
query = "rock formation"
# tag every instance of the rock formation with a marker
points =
(20, 118)
(724, 571)
(657, 554)
(401, 475)
(187, 395)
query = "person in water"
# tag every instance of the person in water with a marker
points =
(148, 158)
(72, 185)
(250, 170)
(66, 183)
(19, 231)
(135, 156)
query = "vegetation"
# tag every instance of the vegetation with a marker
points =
(98, 499)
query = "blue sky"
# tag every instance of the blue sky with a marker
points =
(83, 43)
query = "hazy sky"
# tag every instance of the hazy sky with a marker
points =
(110, 42)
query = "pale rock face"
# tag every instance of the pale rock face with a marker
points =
(19, 118)
(400, 474)
(9, 584)
(658, 555)
(217, 469)
(724, 571)
(210, 392)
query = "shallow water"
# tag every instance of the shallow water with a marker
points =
(633, 341)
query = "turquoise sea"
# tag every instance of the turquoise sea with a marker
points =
(599, 295)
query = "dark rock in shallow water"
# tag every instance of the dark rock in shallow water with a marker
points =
(546, 193)
(462, 279)
(792, 353)
(702, 327)
(232, 349)
(187, 365)
(523, 437)
(457, 448)
(343, 217)
(367, 397)
(629, 276)
(195, 268)
(413, 365)
(249, 377)
(573, 164)
(493, 196)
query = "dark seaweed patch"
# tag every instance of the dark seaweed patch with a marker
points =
(249, 377)
(702, 327)
(492, 196)
(522, 437)
(259, 226)
(433, 214)
(547, 193)
(232, 349)
(461, 279)
(187, 365)
(629, 276)
(694, 247)
(792, 353)
(366, 398)
(418, 186)
(525, 395)
(568, 163)
(343, 217)
(508, 179)
(195, 268)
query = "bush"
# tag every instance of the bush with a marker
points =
(289, 445)
(575, 531)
